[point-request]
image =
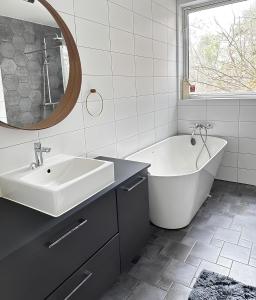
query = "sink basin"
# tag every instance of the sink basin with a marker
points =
(58, 186)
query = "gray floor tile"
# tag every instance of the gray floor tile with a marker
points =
(220, 221)
(179, 272)
(206, 252)
(253, 253)
(149, 270)
(178, 292)
(192, 260)
(217, 243)
(176, 250)
(145, 291)
(225, 262)
(198, 234)
(243, 273)
(245, 243)
(205, 265)
(235, 252)
(227, 235)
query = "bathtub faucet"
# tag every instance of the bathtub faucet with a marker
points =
(200, 126)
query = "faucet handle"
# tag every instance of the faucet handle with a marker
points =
(37, 146)
(46, 149)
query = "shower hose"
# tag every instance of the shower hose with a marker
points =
(204, 140)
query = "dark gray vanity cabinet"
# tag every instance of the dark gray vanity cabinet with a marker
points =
(93, 277)
(80, 254)
(36, 270)
(133, 218)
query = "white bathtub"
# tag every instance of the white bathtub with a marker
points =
(177, 188)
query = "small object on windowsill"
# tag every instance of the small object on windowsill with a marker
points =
(94, 91)
(192, 88)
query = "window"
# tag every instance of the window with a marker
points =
(220, 48)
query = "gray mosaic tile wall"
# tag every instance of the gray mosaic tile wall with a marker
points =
(23, 73)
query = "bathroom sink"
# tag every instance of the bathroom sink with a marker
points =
(59, 185)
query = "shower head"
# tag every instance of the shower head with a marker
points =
(58, 38)
(30, 1)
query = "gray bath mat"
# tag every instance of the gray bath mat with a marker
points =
(213, 286)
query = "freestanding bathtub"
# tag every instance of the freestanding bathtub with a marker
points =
(177, 187)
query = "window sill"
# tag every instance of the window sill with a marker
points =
(214, 97)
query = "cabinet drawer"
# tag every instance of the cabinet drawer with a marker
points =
(37, 269)
(133, 216)
(94, 277)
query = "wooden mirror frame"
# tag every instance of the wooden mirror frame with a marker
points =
(69, 99)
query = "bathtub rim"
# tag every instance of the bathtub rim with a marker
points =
(184, 174)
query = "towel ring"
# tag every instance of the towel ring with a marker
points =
(93, 91)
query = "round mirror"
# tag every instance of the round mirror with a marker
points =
(40, 70)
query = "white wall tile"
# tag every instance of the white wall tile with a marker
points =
(123, 64)
(227, 173)
(161, 117)
(58, 143)
(146, 139)
(247, 129)
(144, 86)
(143, 7)
(102, 84)
(247, 161)
(248, 113)
(100, 136)
(127, 147)
(224, 129)
(96, 10)
(16, 156)
(120, 17)
(247, 145)
(223, 113)
(121, 41)
(160, 50)
(73, 122)
(125, 108)
(162, 133)
(160, 32)
(192, 113)
(124, 3)
(143, 26)
(247, 176)
(107, 115)
(143, 46)
(92, 35)
(124, 86)
(230, 159)
(126, 128)
(145, 104)
(160, 14)
(161, 101)
(160, 67)
(109, 151)
(65, 6)
(144, 66)
(146, 122)
(11, 137)
(95, 62)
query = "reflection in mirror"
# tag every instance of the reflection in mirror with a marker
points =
(34, 63)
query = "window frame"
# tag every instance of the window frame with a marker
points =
(185, 11)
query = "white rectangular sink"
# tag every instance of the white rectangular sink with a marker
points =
(58, 186)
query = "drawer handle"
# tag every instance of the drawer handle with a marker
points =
(82, 222)
(88, 275)
(128, 189)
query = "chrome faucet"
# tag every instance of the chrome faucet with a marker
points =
(39, 150)
(200, 126)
